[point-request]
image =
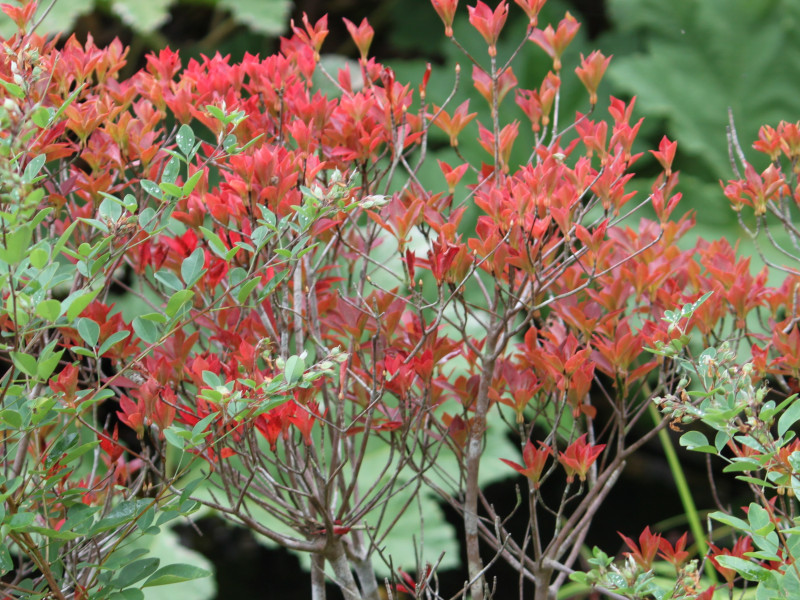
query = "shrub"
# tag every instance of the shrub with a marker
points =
(224, 288)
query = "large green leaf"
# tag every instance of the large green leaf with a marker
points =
(264, 16)
(699, 58)
(143, 16)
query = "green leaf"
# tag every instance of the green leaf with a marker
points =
(39, 256)
(167, 546)
(21, 520)
(46, 366)
(5, 560)
(192, 267)
(110, 209)
(185, 139)
(169, 279)
(111, 340)
(155, 317)
(78, 452)
(33, 167)
(41, 116)
(64, 238)
(148, 331)
(747, 569)
(89, 331)
(246, 289)
(177, 301)
(190, 184)
(214, 241)
(136, 571)
(11, 418)
(171, 435)
(171, 189)
(789, 417)
(264, 16)
(741, 465)
(216, 112)
(147, 219)
(15, 244)
(696, 440)
(295, 366)
(77, 302)
(12, 88)
(726, 519)
(24, 362)
(151, 188)
(175, 574)
(143, 16)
